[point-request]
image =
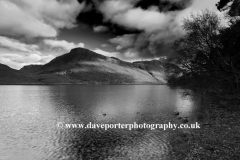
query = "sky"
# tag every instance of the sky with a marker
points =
(37, 31)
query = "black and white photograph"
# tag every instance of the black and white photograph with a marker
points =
(119, 79)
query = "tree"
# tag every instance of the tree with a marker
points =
(208, 50)
(195, 52)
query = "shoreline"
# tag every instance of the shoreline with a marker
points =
(219, 135)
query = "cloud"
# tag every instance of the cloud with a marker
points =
(7, 61)
(17, 54)
(124, 41)
(159, 29)
(31, 58)
(123, 13)
(44, 18)
(111, 8)
(128, 55)
(17, 60)
(146, 20)
(62, 44)
(41, 18)
(104, 45)
(145, 45)
(105, 53)
(100, 29)
(17, 45)
(47, 58)
(150, 20)
(197, 6)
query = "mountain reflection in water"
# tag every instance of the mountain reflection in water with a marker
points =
(29, 115)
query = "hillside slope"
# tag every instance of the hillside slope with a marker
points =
(12, 76)
(82, 66)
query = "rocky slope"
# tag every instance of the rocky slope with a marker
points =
(154, 68)
(82, 66)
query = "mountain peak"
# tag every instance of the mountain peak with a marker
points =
(82, 54)
(78, 49)
(75, 56)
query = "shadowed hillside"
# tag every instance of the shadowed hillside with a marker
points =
(12, 76)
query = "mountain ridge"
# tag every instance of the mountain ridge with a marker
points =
(82, 66)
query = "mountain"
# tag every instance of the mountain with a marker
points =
(154, 68)
(31, 68)
(82, 66)
(12, 76)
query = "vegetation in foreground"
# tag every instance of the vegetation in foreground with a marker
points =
(207, 58)
(208, 54)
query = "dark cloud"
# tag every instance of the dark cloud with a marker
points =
(93, 16)
(165, 5)
(152, 22)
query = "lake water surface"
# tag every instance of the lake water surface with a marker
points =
(29, 116)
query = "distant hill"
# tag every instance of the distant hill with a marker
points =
(12, 76)
(31, 68)
(82, 66)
